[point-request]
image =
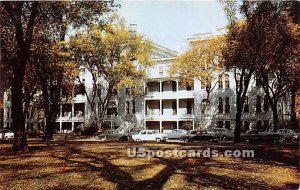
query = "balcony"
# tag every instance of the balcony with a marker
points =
(167, 90)
(168, 117)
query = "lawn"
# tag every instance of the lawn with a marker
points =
(105, 165)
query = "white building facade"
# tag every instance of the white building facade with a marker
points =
(165, 105)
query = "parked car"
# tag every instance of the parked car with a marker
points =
(176, 133)
(149, 135)
(260, 136)
(113, 135)
(199, 135)
(6, 134)
(223, 133)
(288, 134)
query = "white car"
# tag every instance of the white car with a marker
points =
(288, 134)
(149, 135)
(6, 134)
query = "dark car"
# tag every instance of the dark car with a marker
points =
(113, 135)
(199, 135)
(261, 136)
(36, 134)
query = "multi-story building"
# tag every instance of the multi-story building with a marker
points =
(166, 104)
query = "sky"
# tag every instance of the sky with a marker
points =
(171, 22)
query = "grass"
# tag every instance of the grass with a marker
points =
(105, 165)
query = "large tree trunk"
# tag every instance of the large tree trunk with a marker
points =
(238, 119)
(275, 115)
(293, 109)
(50, 123)
(238, 123)
(18, 116)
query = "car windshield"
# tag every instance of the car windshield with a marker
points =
(5, 131)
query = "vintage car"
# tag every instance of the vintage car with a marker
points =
(223, 133)
(149, 135)
(199, 135)
(260, 136)
(176, 133)
(112, 135)
(6, 134)
(288, 134)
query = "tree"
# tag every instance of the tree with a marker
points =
(278, 54)
(54, 77)
(18, 22)
(239, 54)
(202, 62)
(115, 58)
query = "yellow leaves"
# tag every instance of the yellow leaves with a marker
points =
(200, 61)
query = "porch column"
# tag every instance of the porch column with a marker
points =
(60, 126)
(193, 124)
(160, 126)
(160, 86)
(72, 116)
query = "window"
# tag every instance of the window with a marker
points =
(220, 105)
(127, 91)
(227, 124)
(188, 87)
(189, 106)
(238, 80)
(258, 104)
(174, 86)
(266, 104)
(143, 132)
(266, 124)
(133, 106)
(174, 107)
(227, 105)
(174, 125)
(127, 105)
(246, 126)
(146, 108)
(161, 70)
(258, 124)
(246, 105)
(220, 81)
(257, 81)
(226, 81)
(79, 89)
(220, 124)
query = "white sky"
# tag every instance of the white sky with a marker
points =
(169, 23)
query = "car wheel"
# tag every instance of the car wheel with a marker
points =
(6, 138)
(224, 137)
(158, 140)
(138, 140)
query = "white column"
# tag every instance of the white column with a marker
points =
(60, 115)
(60, 126)
(160, 126)
(160, 86)
(193, 125)
(177, 87)
(72, 116)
